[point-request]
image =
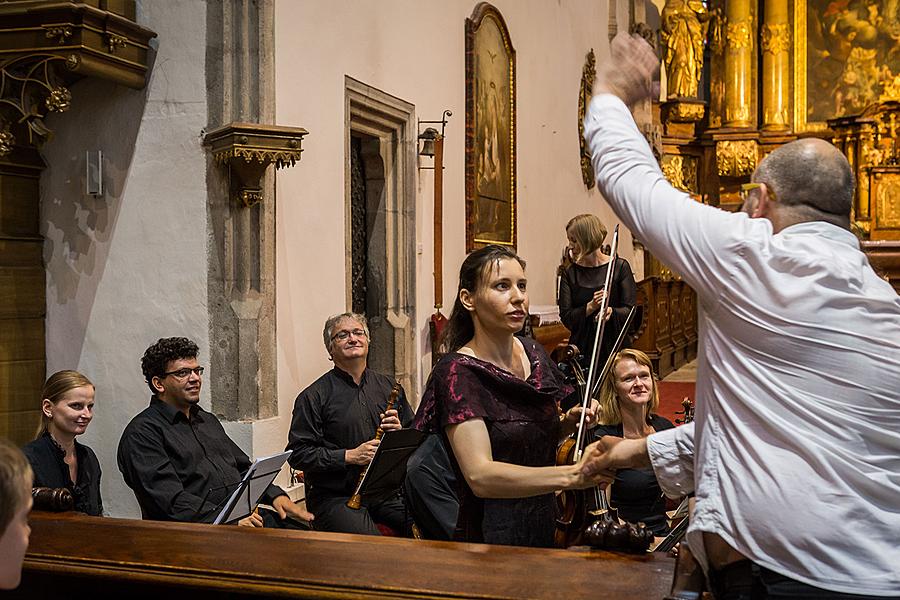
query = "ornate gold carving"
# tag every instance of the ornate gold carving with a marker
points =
(280, 158)
(114, 41)
(887, 200)
(736, 158)
(681, 171)
(247, 149)
(60, 33)
(739, 35)
(250, 197)
(59, 100)
(684, 112)
(717, 30)
(683, 31)
(890, 89)
(775, 38)
(7, 140)
(588, 73)
(29, 90)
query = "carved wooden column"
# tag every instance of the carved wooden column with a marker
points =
(739, 60)
(775, 41)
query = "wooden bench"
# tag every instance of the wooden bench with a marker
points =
(75, 556)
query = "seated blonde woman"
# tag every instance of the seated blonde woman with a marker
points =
(628, 399)
(57, 459)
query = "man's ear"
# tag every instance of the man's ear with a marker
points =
(157, 385)
(764, 202)
(466, 298)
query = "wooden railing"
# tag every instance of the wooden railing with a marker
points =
(75, 556)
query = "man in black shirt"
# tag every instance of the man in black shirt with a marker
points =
(176, 457)
(333, 430)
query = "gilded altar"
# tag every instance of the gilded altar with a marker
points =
(778, 70)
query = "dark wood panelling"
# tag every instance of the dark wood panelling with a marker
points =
(106, 558)
(23, 339)
(20, 206)
(22, 292)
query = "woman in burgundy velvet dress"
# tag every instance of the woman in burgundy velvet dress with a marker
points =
(494, 399)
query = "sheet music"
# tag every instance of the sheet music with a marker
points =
(258, 478)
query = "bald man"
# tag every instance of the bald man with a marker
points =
(794, 457)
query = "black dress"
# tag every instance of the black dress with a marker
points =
(522, 419)
(50, 470)
(635, 492)
(576, 289)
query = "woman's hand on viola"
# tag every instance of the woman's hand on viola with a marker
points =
(573, 415)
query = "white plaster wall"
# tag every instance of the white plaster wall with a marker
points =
(415, 50)
(130, 267)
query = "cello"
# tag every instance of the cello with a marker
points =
(599, 527)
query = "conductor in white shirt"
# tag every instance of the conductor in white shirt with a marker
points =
(794, 456)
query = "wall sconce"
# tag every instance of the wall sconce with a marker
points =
(93, 173)
(431, 135)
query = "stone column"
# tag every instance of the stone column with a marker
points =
(738, 64)
(775, 40)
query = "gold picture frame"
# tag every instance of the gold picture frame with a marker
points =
(490, 130)
(848, 55)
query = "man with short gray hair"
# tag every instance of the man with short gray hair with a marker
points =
(332, 436)
(795, 451)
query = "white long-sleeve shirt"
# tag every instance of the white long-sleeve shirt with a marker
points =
(795, 452)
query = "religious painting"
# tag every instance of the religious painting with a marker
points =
(490, 130)
(846, 53)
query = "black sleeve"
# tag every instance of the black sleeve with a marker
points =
(573, 317)
(625, 289)
(306, 438)
(147, 470)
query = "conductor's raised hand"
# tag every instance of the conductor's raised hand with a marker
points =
(630, 70)
(362, 454)
(390, 421)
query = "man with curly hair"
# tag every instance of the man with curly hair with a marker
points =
(176, 457)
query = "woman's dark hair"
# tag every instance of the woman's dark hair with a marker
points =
(460, 327)
(165, 350)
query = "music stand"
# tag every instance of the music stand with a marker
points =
(387, 470)
(254, 484)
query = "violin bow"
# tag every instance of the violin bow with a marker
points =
(604, 304)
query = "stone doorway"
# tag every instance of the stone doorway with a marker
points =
(380, 226)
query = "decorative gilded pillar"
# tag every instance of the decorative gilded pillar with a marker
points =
(738, 63)
(775, 40)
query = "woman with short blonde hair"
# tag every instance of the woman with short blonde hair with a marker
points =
(15, 504)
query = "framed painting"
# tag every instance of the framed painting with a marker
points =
(852, 47)
(490, 130)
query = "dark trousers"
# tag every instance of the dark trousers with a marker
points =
(332, 514)
(273, 521)
(745, 580)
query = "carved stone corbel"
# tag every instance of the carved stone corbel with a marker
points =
(247, 149)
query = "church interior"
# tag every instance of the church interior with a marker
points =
(238, 171)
